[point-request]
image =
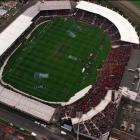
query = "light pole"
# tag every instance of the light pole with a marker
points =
(78, 115)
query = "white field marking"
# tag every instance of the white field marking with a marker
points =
(28, 36)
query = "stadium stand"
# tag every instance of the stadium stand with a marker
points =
(25, 104)
(109, 77)
(13, 31)
(126, 30)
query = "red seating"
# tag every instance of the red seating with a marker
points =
(109, 77)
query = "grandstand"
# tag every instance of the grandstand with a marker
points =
(95, 122)
(25, 104)
(100, 103)
(126, 30)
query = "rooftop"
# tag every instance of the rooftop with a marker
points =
(131, 76)
(25, 104)
(128, 121)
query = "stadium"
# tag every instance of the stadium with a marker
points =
(69, 54)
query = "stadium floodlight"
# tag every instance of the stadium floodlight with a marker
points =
(78, 115)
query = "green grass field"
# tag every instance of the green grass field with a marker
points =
(49, 64)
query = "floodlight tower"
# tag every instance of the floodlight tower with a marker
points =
(78, 115)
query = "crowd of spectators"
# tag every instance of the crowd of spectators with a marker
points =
(109, 77)
(101, 22)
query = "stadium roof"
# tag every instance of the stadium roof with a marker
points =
(13, 31)
(127, 31)
(25, 104)
(55, 5)
(32, 11)
(46, 5)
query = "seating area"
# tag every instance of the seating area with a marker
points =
(109, 75)
(101, 22)
(48, 15)
(109, 78)
(99, 124)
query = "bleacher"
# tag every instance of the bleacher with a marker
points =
(109, 77)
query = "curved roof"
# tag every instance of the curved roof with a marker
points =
(127, 31)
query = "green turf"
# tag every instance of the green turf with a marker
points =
(59, 48)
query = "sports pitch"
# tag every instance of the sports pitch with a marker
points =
(49, 64)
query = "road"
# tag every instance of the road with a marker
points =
(130, 6)
(18, 120)
(128, 9)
